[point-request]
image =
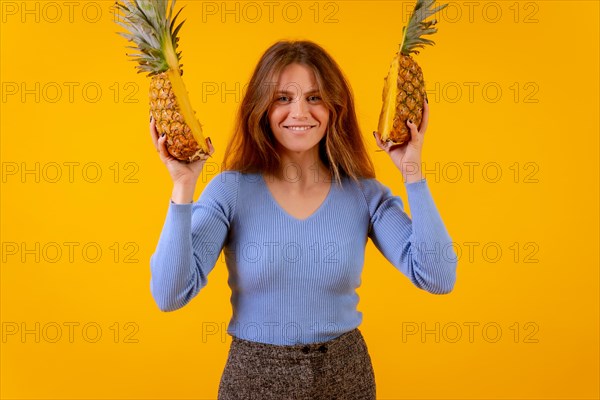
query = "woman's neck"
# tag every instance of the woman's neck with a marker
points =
(301, 171)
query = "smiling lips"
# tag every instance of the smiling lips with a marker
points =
(299, 128)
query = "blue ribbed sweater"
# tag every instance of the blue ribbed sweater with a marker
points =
(294, 281)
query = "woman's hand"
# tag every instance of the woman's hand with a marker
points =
(407, 156)
(184, 175)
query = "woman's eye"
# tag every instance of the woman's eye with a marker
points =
(314, 99)
(283, 99)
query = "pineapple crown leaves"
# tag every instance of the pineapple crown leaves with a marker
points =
(154, 31)
(417, 27)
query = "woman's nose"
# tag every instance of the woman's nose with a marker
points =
(299, 108)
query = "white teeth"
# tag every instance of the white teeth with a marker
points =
(299, 128)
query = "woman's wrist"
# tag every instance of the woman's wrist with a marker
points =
(414, 177)
(183, 193)
(412, 172)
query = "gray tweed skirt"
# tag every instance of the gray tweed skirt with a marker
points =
(337, 369)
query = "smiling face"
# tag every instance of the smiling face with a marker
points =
(298, 116)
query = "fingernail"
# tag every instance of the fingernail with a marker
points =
(374, 135)
(209, 141)
(427, 100)
(410, 121)
(162, 135)
(150, 117)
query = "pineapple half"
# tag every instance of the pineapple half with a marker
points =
(404, 87)
(155, 34)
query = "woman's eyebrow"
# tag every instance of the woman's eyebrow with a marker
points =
(293, 92)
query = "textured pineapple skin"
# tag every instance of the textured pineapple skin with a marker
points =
(408, 100)
(165, 110)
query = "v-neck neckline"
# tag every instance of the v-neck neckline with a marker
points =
(282, 210)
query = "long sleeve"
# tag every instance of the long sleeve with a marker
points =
(420, 248)
(191, 240)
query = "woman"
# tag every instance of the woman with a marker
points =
(293, 210)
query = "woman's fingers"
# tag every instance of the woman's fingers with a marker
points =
(415, 135)
(211, 149)
(162, 148)
(425, 119)
(413, 128)
(386, 146)
(154, 133)
(380, 144)
(159, 142)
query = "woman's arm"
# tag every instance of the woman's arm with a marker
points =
(191, 240)
(421, 248)
(193, 234)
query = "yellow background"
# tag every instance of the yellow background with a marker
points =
(547, 131)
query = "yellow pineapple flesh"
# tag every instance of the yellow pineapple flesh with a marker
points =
(167, 116)
(152, 27)
(403, 95)
(404, 87)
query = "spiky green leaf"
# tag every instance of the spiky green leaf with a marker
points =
(151, 26)
(418, 27)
